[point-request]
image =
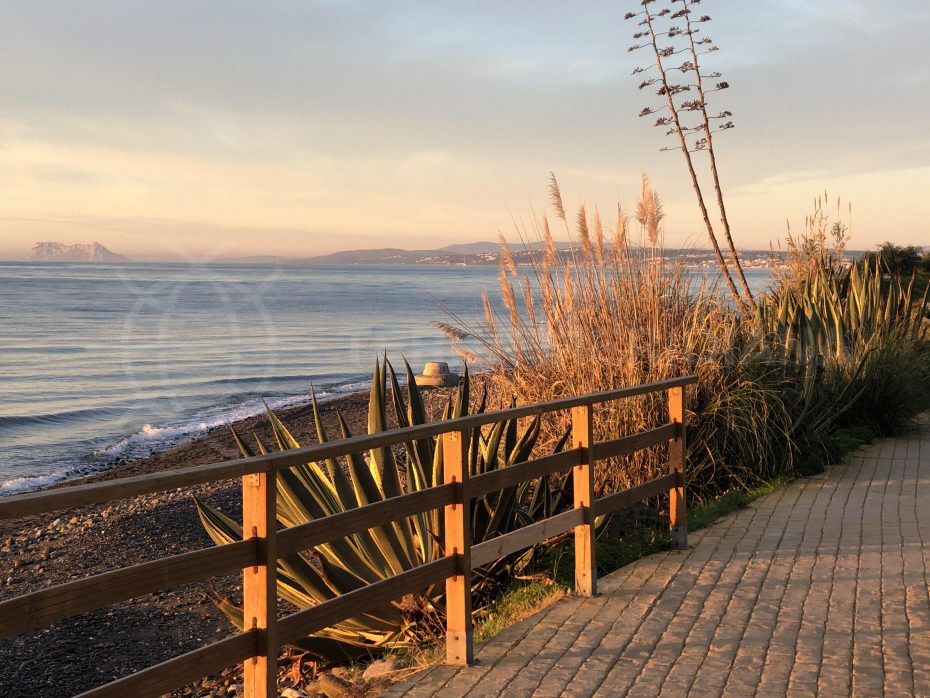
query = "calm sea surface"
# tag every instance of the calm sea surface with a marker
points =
(101, 361)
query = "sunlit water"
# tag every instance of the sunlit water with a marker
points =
(103, 361)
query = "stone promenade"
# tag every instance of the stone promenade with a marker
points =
(817, 589)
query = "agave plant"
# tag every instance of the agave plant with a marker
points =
(837, 325)
(314, 490)
(837, 315)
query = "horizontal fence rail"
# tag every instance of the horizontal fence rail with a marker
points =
(256, 556)
(47, 606)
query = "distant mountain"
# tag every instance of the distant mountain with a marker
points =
(59, 252)
(495, 247)
(471, 248)
(386, 255)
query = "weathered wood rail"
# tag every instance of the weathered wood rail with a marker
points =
(257, 648)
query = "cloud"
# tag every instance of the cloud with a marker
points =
(410, 121)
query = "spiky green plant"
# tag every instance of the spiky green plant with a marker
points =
(842, 314)
(314, 490)
(837, 330)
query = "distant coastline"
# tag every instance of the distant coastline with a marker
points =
(462, 254)
(490, 254)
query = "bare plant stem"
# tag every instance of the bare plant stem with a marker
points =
(724, 220)
(695, 183)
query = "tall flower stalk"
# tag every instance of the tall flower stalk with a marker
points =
(657, 26)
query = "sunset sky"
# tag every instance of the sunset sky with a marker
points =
(181, 129)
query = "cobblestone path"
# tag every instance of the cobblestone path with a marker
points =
(818, 588)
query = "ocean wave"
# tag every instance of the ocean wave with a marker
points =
(64, 416)
(151, 438)
(27, 483)
(251, 380)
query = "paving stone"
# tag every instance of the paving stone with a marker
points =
(819, 588)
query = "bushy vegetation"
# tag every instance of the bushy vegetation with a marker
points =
(899, 260)
(830, 344)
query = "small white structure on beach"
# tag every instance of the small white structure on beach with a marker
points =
(437, 374)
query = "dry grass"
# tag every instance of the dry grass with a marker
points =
(610, 315)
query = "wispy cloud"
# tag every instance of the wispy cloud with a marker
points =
(406, 122)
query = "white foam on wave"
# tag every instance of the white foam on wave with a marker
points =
(152, 438)
(27, 483)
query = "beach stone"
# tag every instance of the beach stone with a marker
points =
(379, 668)
(437, 374)
(334, 687)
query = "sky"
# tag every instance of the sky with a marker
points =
(191, 129)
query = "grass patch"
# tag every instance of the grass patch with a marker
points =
(710, 511)
(523, 599)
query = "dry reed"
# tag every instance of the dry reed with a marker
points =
(601, 316)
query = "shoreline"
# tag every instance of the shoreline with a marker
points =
(41, 550)
(118, 460)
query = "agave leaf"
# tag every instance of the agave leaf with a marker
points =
(417, 449)
(345, 494)
(390, 551)
(260, 446)
(301, 506)
(503, 508)
(416, 412)
(381, 460)
(418, 452)
(313, 476)
(243, 448)
(397, 399)
(219, 527)
(461, 405)
(492, 445)
(381, 618)
(328, 648)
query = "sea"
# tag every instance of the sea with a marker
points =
(102, 362)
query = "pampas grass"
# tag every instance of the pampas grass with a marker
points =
(601, 316)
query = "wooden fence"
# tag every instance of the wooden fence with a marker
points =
(257, 647)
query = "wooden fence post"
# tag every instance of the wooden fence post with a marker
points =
(583, 487)
(457, 520)
(678, 516)
(259, 584)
